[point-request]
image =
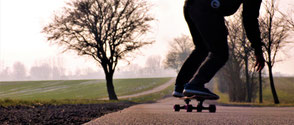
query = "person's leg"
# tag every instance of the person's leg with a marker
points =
(214, 33)
(195, 59)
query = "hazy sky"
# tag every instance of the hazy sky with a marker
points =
(21, 22)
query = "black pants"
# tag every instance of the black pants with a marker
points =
(209, 35)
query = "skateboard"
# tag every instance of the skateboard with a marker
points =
(190, 108)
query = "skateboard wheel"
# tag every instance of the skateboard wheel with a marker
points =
(199, 108)
(212, 108)
(189, 108)
(177, 108)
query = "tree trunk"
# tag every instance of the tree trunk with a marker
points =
(110, 87)
(260, 88)
(275, 96)
(247, 80)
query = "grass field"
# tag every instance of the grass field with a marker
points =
(73, 89)
(285, 91)
(88, 91)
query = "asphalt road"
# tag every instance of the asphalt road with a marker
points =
(162, 113)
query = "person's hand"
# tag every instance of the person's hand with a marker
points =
(259, 62)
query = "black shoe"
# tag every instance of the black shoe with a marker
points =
(178, 92)
(201, 92)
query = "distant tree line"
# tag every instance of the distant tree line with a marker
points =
(42, 71)
(55, 70)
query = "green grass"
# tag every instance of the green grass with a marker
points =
(285, 91)
(73, 89)
(142, 99)
(13, 102)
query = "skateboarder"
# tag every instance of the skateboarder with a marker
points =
(205, 19)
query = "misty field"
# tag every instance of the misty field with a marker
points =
(74, 89)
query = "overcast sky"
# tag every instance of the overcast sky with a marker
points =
(21, 22)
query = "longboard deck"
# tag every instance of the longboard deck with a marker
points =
(199, 98)
(193, 97)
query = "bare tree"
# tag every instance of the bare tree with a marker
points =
(260, 87)
(57, 68)
(230, 76)
(289, 17)
(274, 31)
(41, 72)
(231, 73)
(180, 48)
(19, 71)
(238, 74)
(153, 64)
(105, 30)
(5, 74)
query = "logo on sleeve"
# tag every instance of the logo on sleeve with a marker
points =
(215, 4)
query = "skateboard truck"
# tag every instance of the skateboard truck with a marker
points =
(190, 108)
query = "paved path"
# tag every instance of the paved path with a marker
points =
(157, 89)
(161, 113)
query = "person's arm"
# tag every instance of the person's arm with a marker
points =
(250, 21)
